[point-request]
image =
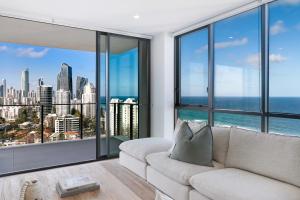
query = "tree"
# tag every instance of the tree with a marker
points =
(35, 117)
(23, 116)
(61, 136)
(75, 112)
(2, 120)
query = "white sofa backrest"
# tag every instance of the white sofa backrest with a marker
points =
(220, 143)
(270, 155)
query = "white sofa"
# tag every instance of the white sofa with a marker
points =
(133, 153)
(247, 166)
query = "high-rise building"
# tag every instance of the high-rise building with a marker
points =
(25, 82)
(63, 97)
(38, 89)
(64, 79)
(89, 100)
(1, 91)
(123, 117)
(114, 116)
(46, 99)
(129, 117)
(80, 83)
(4, 87)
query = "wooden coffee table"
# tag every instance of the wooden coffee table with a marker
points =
(116, 182)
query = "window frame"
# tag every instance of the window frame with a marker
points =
(264, 112)
(178, 69)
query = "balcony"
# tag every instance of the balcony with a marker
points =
(39, 138)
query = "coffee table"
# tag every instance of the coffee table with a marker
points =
(116, 182)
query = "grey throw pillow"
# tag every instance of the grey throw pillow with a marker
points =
(193, 148)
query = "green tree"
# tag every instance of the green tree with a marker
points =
(61, 136)
(2, 120)
(35, 118)
(23, 116)
(75, 112)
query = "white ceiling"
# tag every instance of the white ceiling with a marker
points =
(155, 15)
(48, 35)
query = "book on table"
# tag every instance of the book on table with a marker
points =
(76, 185)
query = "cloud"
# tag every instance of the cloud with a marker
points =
(277, 28)
(233, 43)
(253, 59)
(3, 48)
(225, 44)
(31, 52)
(277, 58)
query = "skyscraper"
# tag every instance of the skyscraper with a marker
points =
(38, 89)
(80, 83)
(89, 100)
(46, 99)
(129, 112)
(114, 116)
(64, 79)
(1, 90)
(25, 82)
(63, 97)
(4, 87)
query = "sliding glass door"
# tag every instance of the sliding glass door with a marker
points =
(80, 95)
(122, 66)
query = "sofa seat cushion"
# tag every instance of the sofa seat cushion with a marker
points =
(235, 184)
(140, 148)
(176, 170)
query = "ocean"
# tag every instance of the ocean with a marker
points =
(276, 104)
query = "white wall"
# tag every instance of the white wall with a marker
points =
(162, 85)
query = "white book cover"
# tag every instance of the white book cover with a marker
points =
(76, 183)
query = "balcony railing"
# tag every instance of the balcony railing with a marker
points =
(26, 124)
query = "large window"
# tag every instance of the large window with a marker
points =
(77, 90)
(253, 73)
(194, 68)
(47, 92)
(284, 28)
(237, 62)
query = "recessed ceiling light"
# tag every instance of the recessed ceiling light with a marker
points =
(136, 16)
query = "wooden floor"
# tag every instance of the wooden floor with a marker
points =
(117, 183)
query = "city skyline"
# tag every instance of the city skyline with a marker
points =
(45, 62)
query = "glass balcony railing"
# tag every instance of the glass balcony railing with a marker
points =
(33, 124)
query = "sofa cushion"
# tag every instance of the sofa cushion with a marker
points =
(177, 170)
(194, 125)
(140, 148)
(235, 184)
(193, 148)
(274, 156)
(220, 143)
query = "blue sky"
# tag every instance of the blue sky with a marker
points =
(237, 53)
(45, 62)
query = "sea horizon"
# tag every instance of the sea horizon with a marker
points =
(251, 104)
